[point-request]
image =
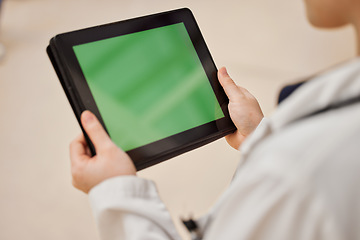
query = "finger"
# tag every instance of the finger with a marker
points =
(230, 88)
(82, 139)
(77, 149)
(95, 130)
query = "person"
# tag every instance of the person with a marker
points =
(300, 173)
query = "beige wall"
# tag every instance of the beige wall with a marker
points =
(264, 44)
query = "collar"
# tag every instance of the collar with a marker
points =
(329, 88)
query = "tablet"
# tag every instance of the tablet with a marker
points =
(151, 82)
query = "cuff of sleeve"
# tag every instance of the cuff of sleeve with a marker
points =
(123, 187)
(126, 204)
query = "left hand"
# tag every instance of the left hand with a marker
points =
(244, 110)
(109, 161)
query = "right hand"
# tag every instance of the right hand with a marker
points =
(244, 109)
(109, 161)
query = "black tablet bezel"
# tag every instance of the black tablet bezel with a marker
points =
(79, 94)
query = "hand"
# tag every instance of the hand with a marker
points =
(109, 161)
(244, 109)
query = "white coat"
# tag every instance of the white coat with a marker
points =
(300, 178)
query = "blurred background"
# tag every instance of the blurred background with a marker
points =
(264, 44)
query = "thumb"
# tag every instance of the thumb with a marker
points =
(229, 86)
(95, 130)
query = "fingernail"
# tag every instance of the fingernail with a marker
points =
(87, 117)
(223, 71)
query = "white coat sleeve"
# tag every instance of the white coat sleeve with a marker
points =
(253, 208)
(129, 207)
(263, 208)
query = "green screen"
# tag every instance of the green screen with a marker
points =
(148, 85)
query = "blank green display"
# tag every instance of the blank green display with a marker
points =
(148, 85)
